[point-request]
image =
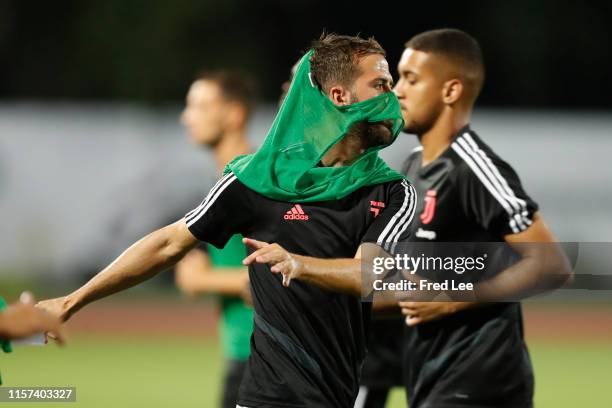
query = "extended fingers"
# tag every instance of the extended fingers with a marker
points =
(286, 279)
(272, 253)
(413, 320)
(273, 256)
(406, 305)
(410, 310)
(253, 243)
(55, 335)
(59, 337)
(249, 259)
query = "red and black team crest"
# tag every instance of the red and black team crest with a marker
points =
(376, 206)
(429, 209)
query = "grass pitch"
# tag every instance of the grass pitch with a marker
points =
(187, 372)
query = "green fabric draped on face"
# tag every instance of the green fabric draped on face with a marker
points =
(286, 167)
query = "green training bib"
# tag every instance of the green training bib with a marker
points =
(307, 125)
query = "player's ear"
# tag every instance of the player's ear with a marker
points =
(452, 91)
(235, 115)
(339, 96)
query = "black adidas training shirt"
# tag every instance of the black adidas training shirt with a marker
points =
(476, 357)
(308, 343)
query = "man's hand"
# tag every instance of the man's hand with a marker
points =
(57, 307)
(190, 270)
(280, 260)
(422, 312)
(21, 320)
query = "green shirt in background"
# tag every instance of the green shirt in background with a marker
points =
(4, 344)
(236, 323)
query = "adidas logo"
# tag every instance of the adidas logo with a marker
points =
(296, 213)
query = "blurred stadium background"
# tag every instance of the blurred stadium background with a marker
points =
(92, 156)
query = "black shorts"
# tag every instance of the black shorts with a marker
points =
(383, 365)
(372, 397)
(231, 383)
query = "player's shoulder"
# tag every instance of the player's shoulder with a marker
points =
(230, 187)
(415, 153)
(399, 190)
(228, 182)
(473, 159)
(388, 188)
(413, 157)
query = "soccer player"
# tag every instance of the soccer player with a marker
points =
(460, 354)
(216, 115)
(309, 198)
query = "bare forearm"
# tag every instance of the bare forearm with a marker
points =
(143, 260)
(542, 270)
(543, 266)
(223, 281)
(385, 308)
(340, 275)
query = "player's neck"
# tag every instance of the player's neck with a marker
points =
(232, 144)
(439, 137)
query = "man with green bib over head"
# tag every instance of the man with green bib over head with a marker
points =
(308, 200)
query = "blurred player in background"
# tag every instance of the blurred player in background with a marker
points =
(285, 85)
(217, 111)
(460, 354)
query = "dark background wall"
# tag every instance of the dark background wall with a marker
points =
(539, 53)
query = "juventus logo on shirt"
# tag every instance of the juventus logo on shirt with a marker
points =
(376, 206)
(430, 207)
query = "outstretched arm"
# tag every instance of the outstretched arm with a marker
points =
(143, 260)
